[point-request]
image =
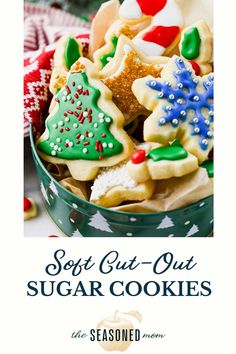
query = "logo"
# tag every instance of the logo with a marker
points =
(118, 332)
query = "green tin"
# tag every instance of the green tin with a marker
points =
(77, 217)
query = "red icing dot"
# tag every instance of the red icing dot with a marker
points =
(27, 204)
(138, 156)
(161, 35)
(195, 67)
(51, 236)
(151, 7)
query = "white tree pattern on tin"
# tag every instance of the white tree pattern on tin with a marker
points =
(53, 187)
(99, 222)
(76, 233)
(166, 223)
(194, 229)
(44, 193)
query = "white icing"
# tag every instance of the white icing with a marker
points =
(109, 178)
(127, 49)
(169, 16)
(149, 48)
(130, 10)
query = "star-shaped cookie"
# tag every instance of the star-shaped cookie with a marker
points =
(128, 65)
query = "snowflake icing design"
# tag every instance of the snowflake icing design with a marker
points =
(184, 97)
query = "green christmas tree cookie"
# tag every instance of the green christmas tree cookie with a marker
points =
(84, 130)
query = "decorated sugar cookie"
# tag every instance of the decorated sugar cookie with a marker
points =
(113, 186)
(68, 51)
(30, 208)
(182, 105)
(166, 22)
(196, 46)
(104, 54)
(209, 166)
(84, 130)
(128, 65)
(106, 15)
(161, 163)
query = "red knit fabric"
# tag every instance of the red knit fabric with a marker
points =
(43, 27)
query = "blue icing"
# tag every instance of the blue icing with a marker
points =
(184, 97)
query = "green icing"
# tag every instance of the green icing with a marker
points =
(104, 57)
(172, 152)
(191, 44)
(209, 166)
(57, 90)
(68, 136)
(72, 52)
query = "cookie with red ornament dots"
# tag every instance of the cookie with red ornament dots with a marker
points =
(85, 128)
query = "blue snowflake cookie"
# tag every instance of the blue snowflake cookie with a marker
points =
(182, 106)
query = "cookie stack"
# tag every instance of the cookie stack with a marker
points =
(136, 113)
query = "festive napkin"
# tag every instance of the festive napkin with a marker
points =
(43, 26)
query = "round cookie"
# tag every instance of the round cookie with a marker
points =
(182, 106)
(114, 186)
(161, 163)
(85, 129)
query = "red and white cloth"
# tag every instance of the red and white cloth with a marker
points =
(43, 27)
